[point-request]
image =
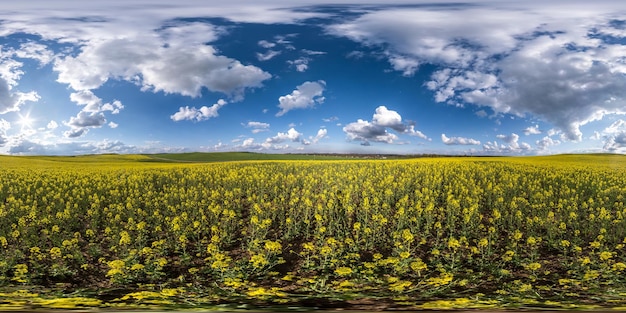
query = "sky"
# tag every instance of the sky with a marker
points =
(462, 77)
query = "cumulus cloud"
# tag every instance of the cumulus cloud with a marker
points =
(365, 132)
(158, 66)
(114, 107)
(249, 143)
(321, 133)
(458, 140)
(383, 118)
(304, 96)
(88, 99)
(76, 132)
(291, 135)
(546, 142)
(563, 66)
(511, 145)
(202, 114)
(388, 118)
(86, 119)
(52, 125)
(82, 122)
(532, 130)
(91, 115)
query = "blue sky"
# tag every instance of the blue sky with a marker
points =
(410, 77)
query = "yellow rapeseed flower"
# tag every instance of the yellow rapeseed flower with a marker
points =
(343, 271)
(605, 255)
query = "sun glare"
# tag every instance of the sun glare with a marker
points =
(26, 121)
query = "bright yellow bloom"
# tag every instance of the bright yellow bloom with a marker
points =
(343, 271)
(453, 243)
(605, 255)
(533, 266)
(55, 252)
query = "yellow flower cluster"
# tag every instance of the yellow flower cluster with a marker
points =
(434, 225)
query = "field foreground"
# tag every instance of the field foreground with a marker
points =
(433, 233)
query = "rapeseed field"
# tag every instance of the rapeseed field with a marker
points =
(418, 233)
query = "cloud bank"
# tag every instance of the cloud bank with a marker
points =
(564, 66)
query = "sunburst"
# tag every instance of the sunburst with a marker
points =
(26, 121)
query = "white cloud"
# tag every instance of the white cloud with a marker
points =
(258, 127)
(416, 133)
(4, 126)
(291, 135)
(248, 143)
(258, 124)
(114, 107)
(157, 66)
(616, 143)
(388, 118)
(87, 119)
(596, 136)
(616, 127)
(321, 133)
(266, 44)
(202, 114)
(301, 64)
(481, 113)
(305, 96)
(270, 54)
(615, 137)
(512, 145)
(12, 100)
(52, 125)
(74, 132)
(546, 142)
(532, 130)
(365, 132)
(330, 119)
(383, 118)
(113, 124)
(408, 66)
(458, 140)
(313, 52)
(88, 99)
(35, 51)
(510, 139)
